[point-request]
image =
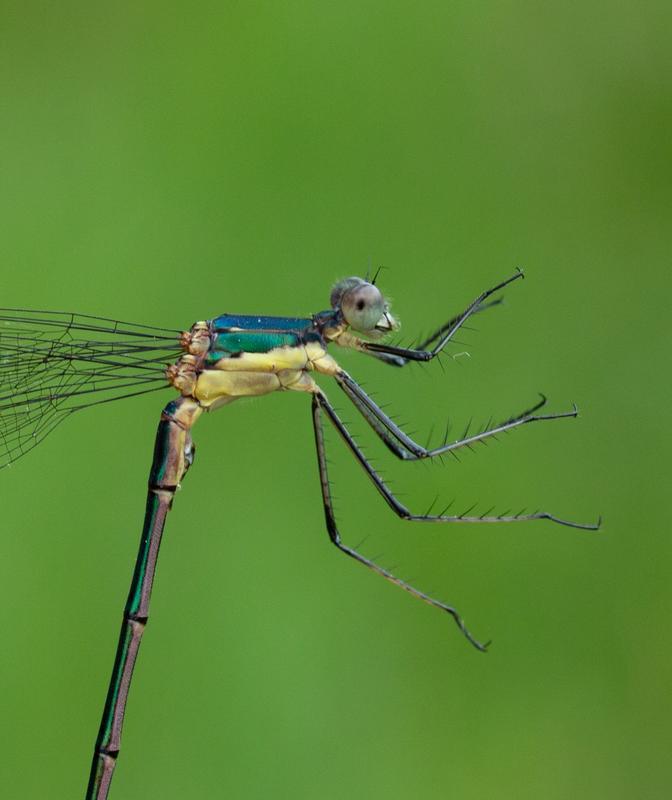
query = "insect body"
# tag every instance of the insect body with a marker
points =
(52, 365)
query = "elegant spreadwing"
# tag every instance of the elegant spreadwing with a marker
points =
(53, 364)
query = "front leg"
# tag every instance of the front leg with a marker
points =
(400, 355)
(399, 361)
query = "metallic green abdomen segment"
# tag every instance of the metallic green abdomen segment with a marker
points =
(125, 642)
(224, 323)
(233, 343)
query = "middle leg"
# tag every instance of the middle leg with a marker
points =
(405, 448)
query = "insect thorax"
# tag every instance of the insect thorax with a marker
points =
(223, 363)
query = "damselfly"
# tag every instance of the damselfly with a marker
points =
(53, 364)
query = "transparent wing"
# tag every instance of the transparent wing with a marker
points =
(53, 363)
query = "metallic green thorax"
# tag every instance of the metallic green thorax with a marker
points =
(233, 335)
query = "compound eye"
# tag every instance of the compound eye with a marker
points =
(362, 307)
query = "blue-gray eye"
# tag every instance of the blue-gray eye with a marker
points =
(362, 307)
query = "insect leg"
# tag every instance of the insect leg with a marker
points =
(401, 511)
(334, 534)
(404, 447)
(445, 333)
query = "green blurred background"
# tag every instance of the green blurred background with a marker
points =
(163, 163)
